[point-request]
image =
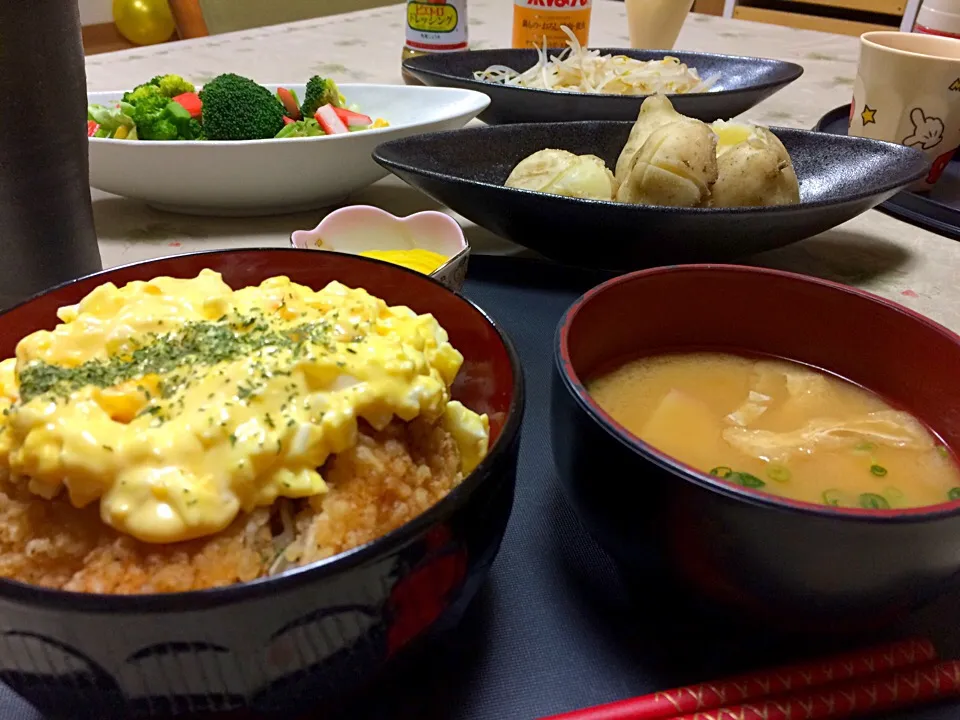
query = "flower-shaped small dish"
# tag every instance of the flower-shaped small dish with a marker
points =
(360, 229)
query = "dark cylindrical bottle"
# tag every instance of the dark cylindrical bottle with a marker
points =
(46, 218)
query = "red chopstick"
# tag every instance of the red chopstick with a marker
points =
(765, 684)
(908, 687)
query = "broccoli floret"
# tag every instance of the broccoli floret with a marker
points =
(158, 118)
(155, 116)
(167, 86)
(143, 92)
(320, 92)
(173, 85)
(148, 115)
(237, 108)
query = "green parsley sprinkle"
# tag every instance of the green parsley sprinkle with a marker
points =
(194, 344)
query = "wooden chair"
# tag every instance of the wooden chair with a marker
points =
(708, 7)
(198, 18)
(846, 17)
(103, 37)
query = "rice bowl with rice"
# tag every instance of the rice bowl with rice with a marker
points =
(178, 435)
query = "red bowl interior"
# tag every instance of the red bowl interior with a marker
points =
(485, 383)
(908, 359)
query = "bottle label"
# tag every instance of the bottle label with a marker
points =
(535, 19)
(437, 25)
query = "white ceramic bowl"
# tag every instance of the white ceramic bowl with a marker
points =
(263, 177)
(359, 228)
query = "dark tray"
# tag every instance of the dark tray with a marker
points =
(556, 627)
(938, 210)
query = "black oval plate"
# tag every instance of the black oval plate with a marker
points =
(840, 177)
(743, 82)
(937, 210)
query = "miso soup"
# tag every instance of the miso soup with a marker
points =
(781, 428)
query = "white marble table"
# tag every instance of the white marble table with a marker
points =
(874, 251)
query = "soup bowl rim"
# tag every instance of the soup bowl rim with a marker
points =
(577, 390)
(299, 577)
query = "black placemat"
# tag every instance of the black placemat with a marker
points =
(937, 210)
(556, 627)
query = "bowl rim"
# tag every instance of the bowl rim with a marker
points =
(873, 39)
(70, 601)
(394, 165)
(481, 101)
(575, 387)
(794, 72)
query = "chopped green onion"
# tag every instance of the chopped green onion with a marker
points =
(832, 497)
(778, 473)
(878, 470)
(872, 501)
(741, 478)
(942, 449)
(865, 447)
(747, 480)
(893, 493)
(954, 493)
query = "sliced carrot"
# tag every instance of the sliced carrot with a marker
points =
(289, 103)
(191, 102)
(288, 121)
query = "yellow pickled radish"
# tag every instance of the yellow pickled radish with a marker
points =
(423, 261)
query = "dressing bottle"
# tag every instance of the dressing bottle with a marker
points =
(434, 26)
(534, 20)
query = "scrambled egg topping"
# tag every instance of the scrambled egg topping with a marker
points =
(179, 403)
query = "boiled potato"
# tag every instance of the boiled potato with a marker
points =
(560, 172)
(730, 134)
(672, 160)
(655, 112)
(754, 171)
(676, 166)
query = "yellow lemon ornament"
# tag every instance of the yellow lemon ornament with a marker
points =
(143, 22)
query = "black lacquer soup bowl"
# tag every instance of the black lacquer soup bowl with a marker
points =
(797, 565)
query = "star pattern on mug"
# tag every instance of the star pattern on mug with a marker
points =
(955, 85)
(868, 115)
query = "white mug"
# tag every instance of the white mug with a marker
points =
(907, 91)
